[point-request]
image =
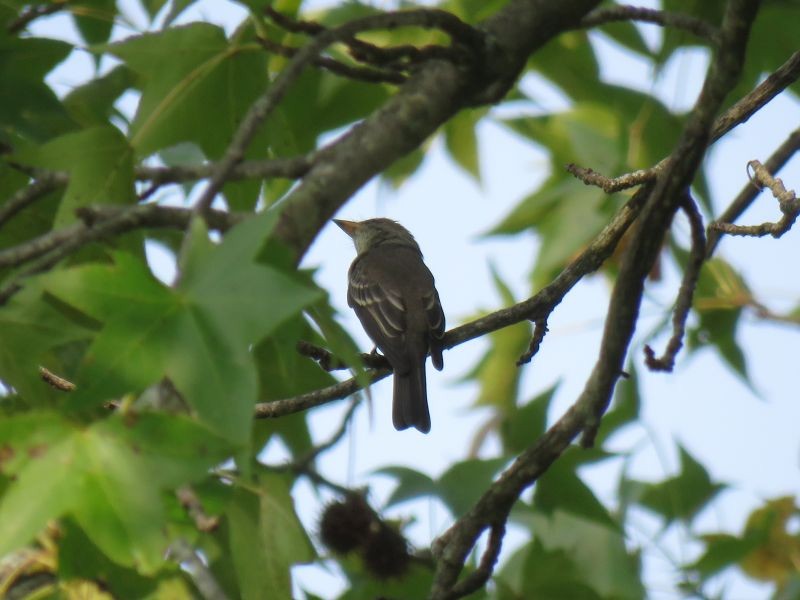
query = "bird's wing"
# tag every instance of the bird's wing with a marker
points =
(380, 308)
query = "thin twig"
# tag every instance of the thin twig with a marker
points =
(737, 114)
(368, 74)
(42, 253)
(329, 362)
(26, 196)
(33, 13)
(787, 202)
(191, 503)
(279, 408)
(202, 576)
(304, 461)
(683, 304)
(750, 192)
(539, 331)
(478, 578)
(611, 14)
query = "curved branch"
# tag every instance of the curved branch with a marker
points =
(624, 12)
(749, 193)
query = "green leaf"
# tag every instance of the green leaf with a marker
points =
(94, 18)
(33, 330)
(719, 297)
(522, 426)
(411, 484)
(497, 372)
(100, 164)
(266, 539)
(597, 551)
(560, 488)
(462, 142)
(79, 558)
(45, 483)
(464, 482)
(536, 572)
(92, 103)
(96, 474)
(722, 551)
(206, 80)
(684, 495)
(569, 61)
(33, 110)
(199, 335)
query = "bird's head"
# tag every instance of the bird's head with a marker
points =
(375, 232)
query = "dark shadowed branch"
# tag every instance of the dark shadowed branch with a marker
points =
(683, 304)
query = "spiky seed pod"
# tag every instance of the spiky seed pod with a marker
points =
(345, 525)
(385, 552)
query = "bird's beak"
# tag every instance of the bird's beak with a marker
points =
(349, 227)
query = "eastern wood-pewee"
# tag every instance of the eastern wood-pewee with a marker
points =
(394, 297)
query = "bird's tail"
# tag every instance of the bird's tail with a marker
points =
(410, 408)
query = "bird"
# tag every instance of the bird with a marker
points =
(394, 296)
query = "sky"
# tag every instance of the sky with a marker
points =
(746, 437)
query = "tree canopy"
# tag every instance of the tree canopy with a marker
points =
(135, 411)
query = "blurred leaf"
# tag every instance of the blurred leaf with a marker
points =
(32, 330)
(464, 482)
(403, 168)
(560, 489)
(267, 538)
(534, 572)
(100, 164)
(569, 61)
(416, 583)
(627, 34)
(411, 484)
(683, 496)
(462, 142)
(204, 72)
(597, 551)
(93, 102)
(95, 473)
(775, 559)
(33, 110)
(722, 551)
(94, 19)
(719, 297)
(522, 426)
(497, 372)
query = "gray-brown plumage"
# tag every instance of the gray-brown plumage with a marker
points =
(394, 296)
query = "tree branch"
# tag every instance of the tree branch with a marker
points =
(494, 506)
(683, 304)
(433, 94)
(624, 12)
(787, 202)
(264, 105)
(749, 193)
(737, 114)
(99, 222)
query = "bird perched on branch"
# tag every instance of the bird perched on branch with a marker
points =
(394, 297)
